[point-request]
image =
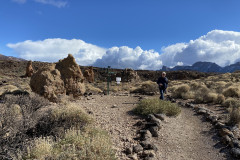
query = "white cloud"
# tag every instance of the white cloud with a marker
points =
(20, 1)
(56, 3)
(51, 50)
(125, 57)
(221, 47)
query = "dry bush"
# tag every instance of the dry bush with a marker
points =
(181, 91)
(234, 116)
(154, 105)
(220, 99)
(75, 144)
(201, 94)
(231, 102)
(232, 92)
(147, 88)
(17, 115)
(194, 85)
(92, 89)
(210, 97)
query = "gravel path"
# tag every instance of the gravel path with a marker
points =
(185, 137)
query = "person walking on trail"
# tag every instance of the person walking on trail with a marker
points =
(162, 84)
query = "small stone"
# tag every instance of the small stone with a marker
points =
(128, 150)
(219, 125)
(235, 143)
(148, 153)
(160, 116)
(90, 112)
(133, 157)
(235, 152)
(145, 134)
(225, 131)
(154, 131)
(226, 140)
(201, 111)
(114, 106)
(139, 123)
(137, 148)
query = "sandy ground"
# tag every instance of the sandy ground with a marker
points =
(185, 137)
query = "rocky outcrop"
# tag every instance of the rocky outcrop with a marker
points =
(48, 83)
(64, 77)
(29, 69)
(129, 75)
(89, 74)
(72, 76)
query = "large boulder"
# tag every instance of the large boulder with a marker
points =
(72, 76)
(89, 74)
(29, 69)
(129, 75)
(64, 77)
(48, 83)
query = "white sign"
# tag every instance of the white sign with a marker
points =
(118, 79)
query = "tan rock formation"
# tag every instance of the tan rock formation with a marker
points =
(48, 83)
(89, 74)
(29, 69)
(64, 77)
(71, 75)
(129, 75)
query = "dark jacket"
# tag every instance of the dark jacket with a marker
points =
(163, 81)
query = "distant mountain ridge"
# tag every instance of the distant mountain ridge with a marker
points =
(2, 57)
(205, 67)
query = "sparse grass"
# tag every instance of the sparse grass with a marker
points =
(155, 105)
(93, 144)
(220, 99)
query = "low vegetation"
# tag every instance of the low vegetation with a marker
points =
(146, 88)
(43, 130)
(75, 144)
(155, 105)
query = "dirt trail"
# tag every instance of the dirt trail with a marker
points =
(185, 137)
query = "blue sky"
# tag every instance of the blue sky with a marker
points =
(153, 25)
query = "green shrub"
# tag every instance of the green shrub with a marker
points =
(155, 105)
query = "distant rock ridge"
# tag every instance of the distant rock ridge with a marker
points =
(205, 67)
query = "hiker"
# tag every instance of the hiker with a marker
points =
(162, 83)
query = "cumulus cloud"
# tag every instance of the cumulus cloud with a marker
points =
(125, 57)
(51, 50)
(221, 47)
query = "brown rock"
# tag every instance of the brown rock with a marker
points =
(29, 69)
(224, 131)
(71, 75)
(89, 75)
(64, 77)
(48, 83)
